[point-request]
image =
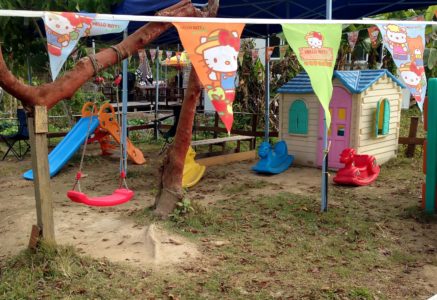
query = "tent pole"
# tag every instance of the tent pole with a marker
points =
(324, 204)
(123, 164)
(156, 95)
(267, 92)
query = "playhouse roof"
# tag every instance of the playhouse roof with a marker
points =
(355, 81)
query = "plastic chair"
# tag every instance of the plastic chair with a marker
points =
(21, 137)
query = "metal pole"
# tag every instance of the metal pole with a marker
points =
(123, 164)
(94, 46)
(267, 92)
(324, 201)
(156, 95)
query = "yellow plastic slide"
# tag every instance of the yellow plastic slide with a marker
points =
(108, 121)
(193, 171)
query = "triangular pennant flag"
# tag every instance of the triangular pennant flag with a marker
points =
(152, 54)
(269, 53)
(406, 44)
(213, 49)
(141, 55)
(63, 31)
(254, 53)
(373, 35)
(168, 54)
(316, 48)
(282, 51)
(240, 57)
(352, 38)
(160, 54)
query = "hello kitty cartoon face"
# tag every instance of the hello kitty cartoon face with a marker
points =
(59, 24)
(314, 39)
(220, 50)
(396, 34)
(221, 58)
(410, 78)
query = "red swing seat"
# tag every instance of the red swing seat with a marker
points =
(119, 196)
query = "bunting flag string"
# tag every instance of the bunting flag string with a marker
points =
(406, 44)
(316, 48)
(213, 49)
(63, 31)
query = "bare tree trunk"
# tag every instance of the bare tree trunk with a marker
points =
(170, 187)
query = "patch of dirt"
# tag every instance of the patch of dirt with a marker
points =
(98, 232)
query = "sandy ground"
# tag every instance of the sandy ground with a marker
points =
(110, 232)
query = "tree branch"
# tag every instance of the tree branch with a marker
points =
(64, 87)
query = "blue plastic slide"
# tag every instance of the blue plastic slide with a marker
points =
(68, 146)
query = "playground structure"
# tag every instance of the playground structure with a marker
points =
(365, 109)
(193, 171)
(103, 124)
(358, 169)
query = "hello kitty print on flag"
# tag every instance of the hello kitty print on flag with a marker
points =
(406, 44)
(213, 49)
(63, 31)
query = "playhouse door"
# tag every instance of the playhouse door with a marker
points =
(338, 133)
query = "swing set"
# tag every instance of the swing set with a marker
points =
(122, 194)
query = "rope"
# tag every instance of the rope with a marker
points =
(95, 64)
(79, 173)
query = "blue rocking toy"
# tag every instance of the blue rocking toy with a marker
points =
(273, 160)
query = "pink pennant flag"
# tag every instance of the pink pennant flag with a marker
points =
(178, 56)
(254, 53)
(352, 38)
(168, 54)
(152, 54)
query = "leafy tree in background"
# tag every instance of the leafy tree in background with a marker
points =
(22, 38)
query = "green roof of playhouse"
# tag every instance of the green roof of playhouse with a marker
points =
(355, 81)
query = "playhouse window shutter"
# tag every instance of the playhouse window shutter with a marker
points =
(298, 118)
(382, 120)
(386, 122)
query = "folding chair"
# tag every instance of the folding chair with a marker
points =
(21, 137)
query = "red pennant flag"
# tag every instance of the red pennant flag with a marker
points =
(213, 50)
(269, 53)
(373, 34)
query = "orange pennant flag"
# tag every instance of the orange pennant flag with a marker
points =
(213, 49)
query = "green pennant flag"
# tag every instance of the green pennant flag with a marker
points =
(316, 48)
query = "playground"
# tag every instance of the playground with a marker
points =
(373, 244)
(186, 150)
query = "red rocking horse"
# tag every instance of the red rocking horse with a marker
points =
(358, 170)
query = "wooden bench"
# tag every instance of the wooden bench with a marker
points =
(222, 142)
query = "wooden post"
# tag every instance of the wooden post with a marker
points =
(254, 125)
(411, 148)
(38, 128)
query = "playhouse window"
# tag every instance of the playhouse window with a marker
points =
(298, 118)
(382, 123)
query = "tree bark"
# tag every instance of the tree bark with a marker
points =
(64, 87)
(170, 187)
